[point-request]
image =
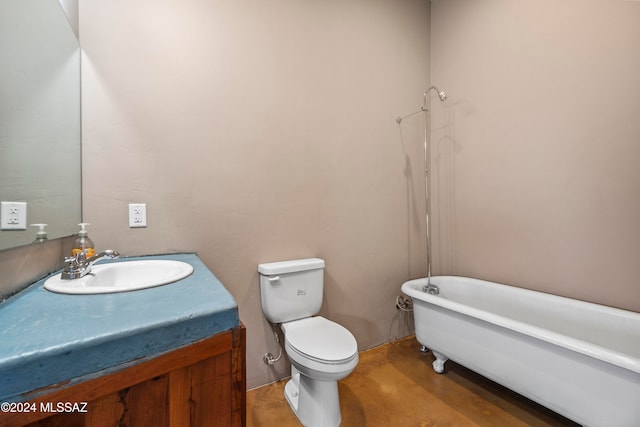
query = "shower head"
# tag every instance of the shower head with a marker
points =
(441, 94)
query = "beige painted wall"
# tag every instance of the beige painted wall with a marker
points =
(537, 182)
(261, 131)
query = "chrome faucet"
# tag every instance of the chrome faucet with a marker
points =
(79, 266)
(431, 289)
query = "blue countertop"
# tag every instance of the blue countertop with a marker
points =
(48, 338)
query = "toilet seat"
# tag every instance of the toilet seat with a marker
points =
(320, 340)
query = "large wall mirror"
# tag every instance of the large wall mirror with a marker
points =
(40, 159)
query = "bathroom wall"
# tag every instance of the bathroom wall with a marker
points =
(536, 177)
(262, 131)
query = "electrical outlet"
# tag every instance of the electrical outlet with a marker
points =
(137, 215)
(13, 216)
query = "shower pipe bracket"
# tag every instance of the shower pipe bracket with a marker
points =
(422, 109)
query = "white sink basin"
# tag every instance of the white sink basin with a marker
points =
(122, 277)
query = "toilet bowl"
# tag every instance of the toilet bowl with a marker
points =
(321, 352)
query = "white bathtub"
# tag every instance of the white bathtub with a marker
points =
(579, 359)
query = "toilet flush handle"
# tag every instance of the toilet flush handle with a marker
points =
(273, 279)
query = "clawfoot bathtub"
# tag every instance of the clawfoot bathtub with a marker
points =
(581, 360)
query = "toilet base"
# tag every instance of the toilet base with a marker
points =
(315, 403)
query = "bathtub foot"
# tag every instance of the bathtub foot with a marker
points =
(424, 349)
(438, 364)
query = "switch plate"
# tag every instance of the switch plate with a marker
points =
(137, 215)
(13, 216)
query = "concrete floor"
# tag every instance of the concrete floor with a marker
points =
(394, 385)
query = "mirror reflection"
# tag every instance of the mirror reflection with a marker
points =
(39, 122)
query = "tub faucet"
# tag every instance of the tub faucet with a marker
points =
(79, 266)
(431, 289)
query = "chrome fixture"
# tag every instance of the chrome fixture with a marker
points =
(404, 303)
(79, 266)
(441, 94)
(429, 287)
(427, 198)
(400, 119)
(423, 108)
(269, 358)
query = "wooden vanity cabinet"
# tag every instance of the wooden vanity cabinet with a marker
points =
(201, 385)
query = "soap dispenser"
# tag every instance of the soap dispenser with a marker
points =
(41, 235)
(82, 243)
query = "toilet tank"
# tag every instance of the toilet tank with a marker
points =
(291, 290)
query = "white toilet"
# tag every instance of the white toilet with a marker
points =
(321, 351)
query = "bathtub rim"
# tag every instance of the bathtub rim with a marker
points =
(413, 289)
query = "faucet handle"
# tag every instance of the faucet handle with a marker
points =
(72, 266)
(72, 263)
(81, 257)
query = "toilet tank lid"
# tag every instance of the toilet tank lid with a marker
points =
(282, 267)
